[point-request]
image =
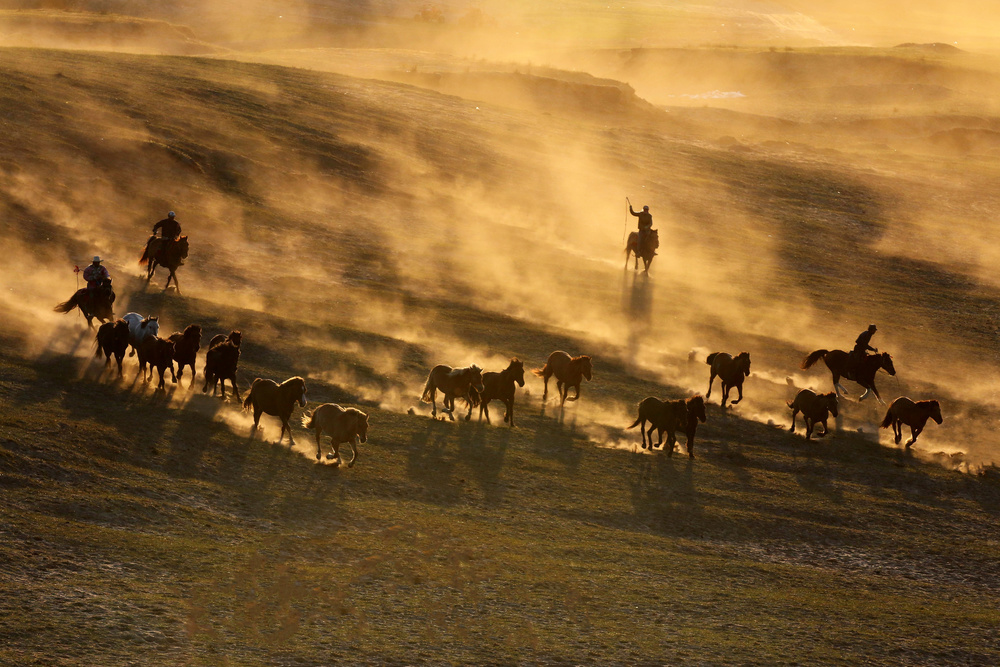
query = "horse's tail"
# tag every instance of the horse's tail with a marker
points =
(635, 423)
(473, 398)
(540, 372)
(67, 306)
(309, 419)
(711, 358)
(427, 396)
(813, 358)
(145, 252)
(97, 345)
(249, 399)
(887, 422)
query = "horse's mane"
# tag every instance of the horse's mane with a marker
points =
(192, 329)
(458, 372)
(582, 357)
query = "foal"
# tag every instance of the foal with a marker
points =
(500, 386)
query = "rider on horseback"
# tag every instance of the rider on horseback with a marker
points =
(645, 224)
(862, 345)
(98, 280)
(170, 230)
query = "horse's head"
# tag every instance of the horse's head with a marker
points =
(300, 390)
(182, 245)
(743, 359)
(193, 332)
(935, 411)
(475, 375)
(151, 325)
(235, 337)
(516, 367)
(886, 363)
(586, 366)
(361, 425)
(830, 400)
(696, 408)
(654, 239)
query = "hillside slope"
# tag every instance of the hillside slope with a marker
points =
(359, 232)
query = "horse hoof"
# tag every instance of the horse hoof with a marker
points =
(329, 457)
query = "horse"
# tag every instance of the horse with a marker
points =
(221, 364)
(267, 396)
(500, 386)
(159, 354)
(815, 409)
(186, 346)
(839, 363)
(139, 328)
(342, 425)
(453, 383)
(913, 414)
(112, 338)
(92, 303)
(569, 372)
(647, 253)
(731, 371)
(169, 253)
(670, 416)
(234, 336)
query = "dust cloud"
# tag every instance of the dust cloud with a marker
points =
(415, 188)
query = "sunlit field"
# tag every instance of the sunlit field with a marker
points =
(370, 193)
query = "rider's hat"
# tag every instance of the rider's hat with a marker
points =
(97, 259)
(645, 208)
(170, 214)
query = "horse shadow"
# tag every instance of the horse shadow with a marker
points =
(664, 495)
(428, 464)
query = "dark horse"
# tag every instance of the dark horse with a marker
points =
(500, 386)
(112, 339)
(92, 303)
(164, 252)
(453, 383)
(267, 396)
(569, 372)
(186, 346)
(731, 370)
(647, 253)
(839, 363)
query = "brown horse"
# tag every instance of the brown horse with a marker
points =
(913, 414)
(670, 416)
(647, 253)
(453, 383)
(500, 386)
(186, 346)
(92, 303)
(839, 363)
(267, 396)
(815, 409)
(569, 372)
(164, 252)
(112, 338)
(342, 425)
(731, 370)
(221, 364)
(159, 354)
(235, 337)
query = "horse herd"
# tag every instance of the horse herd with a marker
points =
(479, 389)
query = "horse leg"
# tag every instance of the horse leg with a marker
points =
(235, 388)
(354, 451)
(483, 408)
(711, 379)
(509, 415)
(825, 429)
(794, 412)
(877, 397)
(809, 428)
(725, 393)
(546, 392)
(671, 440)
(319, 444)
(468, 415)
(576, 397)
(897, 430)
(739, 388)
(914, 432)
(690, 444)
(449, 402)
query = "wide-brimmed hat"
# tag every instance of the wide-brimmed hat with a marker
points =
(97, 259)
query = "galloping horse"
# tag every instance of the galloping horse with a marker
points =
(186, 346)
(569, 372)
(815, 409)
(453, 383)
(670, 416)
(840, 365)
(276, 399)
(731, 370)
(164, 252)
(139, 328)
(914, 414)
(647, 253)
(500, 386)
(92, 303)
(112, 339)
(342, 425)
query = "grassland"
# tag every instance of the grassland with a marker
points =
(360, 231)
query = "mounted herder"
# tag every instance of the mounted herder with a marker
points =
(96, 299)
(644, 242)
(170, 249)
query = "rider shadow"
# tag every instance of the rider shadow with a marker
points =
(637, 307)
(429, 465)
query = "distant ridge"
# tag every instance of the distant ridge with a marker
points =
(939, 47)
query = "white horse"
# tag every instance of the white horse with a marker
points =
(140, 328)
